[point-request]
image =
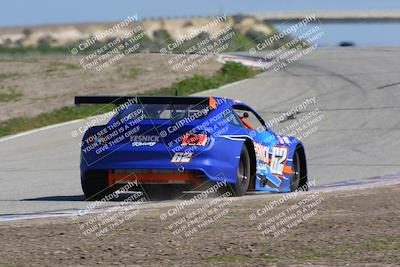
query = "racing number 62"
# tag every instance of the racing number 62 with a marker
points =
(279, 156)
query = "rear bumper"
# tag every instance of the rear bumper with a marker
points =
(217, 162)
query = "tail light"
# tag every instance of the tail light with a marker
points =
(194, 140)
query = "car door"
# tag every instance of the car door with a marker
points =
(271, 153)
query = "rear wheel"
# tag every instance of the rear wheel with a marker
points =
(243, 174)
(95, 185)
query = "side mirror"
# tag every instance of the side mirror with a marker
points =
(265, 125)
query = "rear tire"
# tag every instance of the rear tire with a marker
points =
(296, 172)
(95, 185)
(243, 174)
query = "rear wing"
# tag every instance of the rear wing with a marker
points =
(119, 100)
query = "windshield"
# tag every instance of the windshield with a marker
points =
(164, 111)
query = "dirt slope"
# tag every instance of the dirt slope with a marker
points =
(43, 83)
(356, 227)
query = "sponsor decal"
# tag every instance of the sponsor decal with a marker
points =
(194, 140)
(134, 144)
(280, 139)
(262, 152)
(182, 157)
(145, 138)
(286, 140)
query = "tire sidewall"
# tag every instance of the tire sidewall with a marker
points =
(241, 187)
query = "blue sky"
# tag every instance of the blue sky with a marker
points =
(32, 12)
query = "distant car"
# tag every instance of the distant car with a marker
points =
(180, 143)
(346, 43)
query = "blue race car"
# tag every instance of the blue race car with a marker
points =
(165, 144)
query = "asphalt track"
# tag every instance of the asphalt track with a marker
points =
(356, 89)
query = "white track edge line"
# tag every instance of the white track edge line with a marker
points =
(10, 137)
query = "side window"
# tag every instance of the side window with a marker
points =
(231, 117)
(248, 118)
